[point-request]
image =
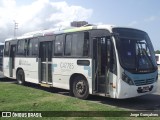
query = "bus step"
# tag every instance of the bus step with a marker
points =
(101, 88)
(101, 79)
(45, 85)
(102, 94)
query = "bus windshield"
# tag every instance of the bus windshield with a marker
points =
(135, 50)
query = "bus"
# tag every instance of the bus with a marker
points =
(1, 60)
(158, 59)
(103, 60)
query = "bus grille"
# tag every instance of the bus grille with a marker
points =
(144, 82)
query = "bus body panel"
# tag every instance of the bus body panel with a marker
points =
(158, 59)
(64, 68)
(61, 81)
(112, 85)
(2, 75)
(30, 68)
(6, 66)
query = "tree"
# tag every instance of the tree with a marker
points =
(157, 52)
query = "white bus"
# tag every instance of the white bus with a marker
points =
(1, 60)
(102, 60)
(158, 59)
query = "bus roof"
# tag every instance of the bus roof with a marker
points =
(157, 54)
(66, 30)
(1, 43)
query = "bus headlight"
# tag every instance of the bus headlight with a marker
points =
(126, 79)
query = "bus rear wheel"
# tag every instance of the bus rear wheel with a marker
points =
(20, 77)
(80, 88)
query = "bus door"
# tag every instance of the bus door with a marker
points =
(45, 62)
(12, 60)
(101, 58)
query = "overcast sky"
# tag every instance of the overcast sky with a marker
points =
(32, 15)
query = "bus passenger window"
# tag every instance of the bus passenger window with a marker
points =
(58, 46)
(22, 47)
(77, 44)
(86, 44)
(68, 45)
(80, 44)
(33, 47)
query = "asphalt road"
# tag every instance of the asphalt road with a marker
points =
(147, 102)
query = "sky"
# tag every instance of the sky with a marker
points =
(33, 15)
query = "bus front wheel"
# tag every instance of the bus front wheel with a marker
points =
(80, 88)
(20, 77)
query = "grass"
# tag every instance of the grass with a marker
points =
(23, 98)
(15, 97)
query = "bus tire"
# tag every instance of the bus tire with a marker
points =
(20, 77)
(80, 88)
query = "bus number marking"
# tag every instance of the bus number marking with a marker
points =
(65, 65)
(24, 62)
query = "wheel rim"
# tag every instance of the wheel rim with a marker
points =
(80, 87)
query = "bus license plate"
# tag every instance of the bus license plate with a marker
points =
(145, 89)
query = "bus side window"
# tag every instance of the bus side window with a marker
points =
(22, 47)
(6, 50)
(58, 49)
(77, 44)
(68, 45)
(33, 47)
(86, 44)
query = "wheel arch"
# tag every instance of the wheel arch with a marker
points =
(18, 70)
(73, 76)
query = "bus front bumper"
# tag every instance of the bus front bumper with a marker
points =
(135, 91)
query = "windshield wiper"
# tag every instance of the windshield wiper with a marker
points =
(149, 59)
(137, 57)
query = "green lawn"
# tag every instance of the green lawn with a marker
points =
(15, 97)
